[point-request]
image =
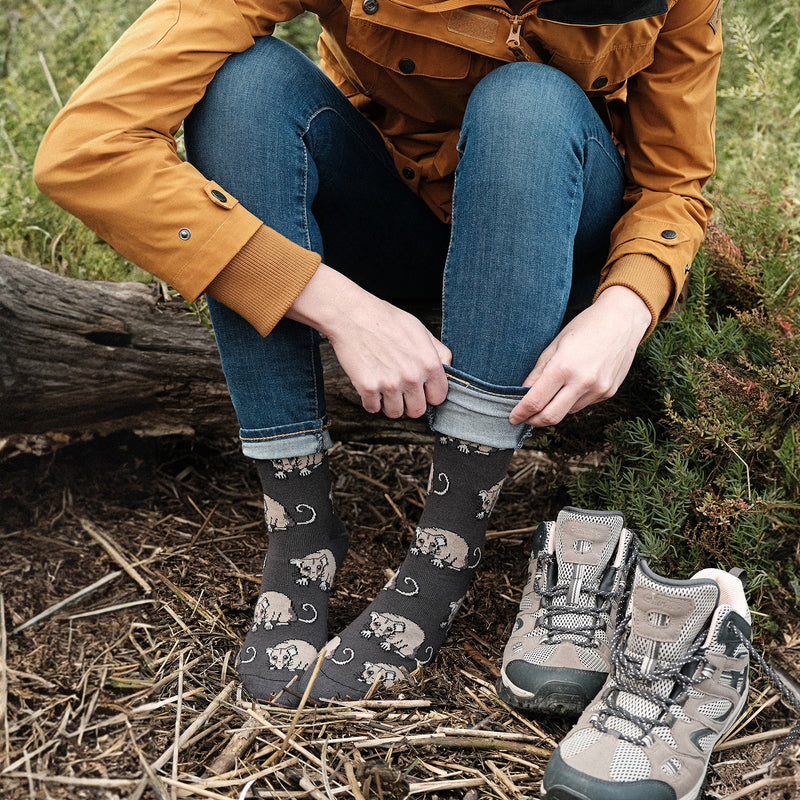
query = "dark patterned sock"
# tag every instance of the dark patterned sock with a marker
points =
(307, 543)
(408, 621)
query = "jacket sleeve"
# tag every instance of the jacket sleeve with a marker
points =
(110, 157)
(668, 135)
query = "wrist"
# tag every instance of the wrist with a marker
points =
(324, 300)
(628, 304)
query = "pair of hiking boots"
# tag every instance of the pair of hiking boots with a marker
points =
(656, 668)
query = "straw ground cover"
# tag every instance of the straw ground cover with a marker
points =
(164, 541)
(158, 546)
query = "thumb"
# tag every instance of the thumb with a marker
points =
(445, 356)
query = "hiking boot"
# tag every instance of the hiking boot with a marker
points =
(678, 682)
(558, 656)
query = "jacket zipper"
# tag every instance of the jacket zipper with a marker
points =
(513, 43)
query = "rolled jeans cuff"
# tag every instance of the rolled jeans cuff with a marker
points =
(287, 441)
(478, 412)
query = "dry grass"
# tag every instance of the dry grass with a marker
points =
(128, 690)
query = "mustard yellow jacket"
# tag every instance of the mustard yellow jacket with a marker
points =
(649, 66)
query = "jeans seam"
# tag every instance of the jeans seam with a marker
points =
(381, 153)
(315, 430)
(613, 159)
(469, 385)
(446, 271)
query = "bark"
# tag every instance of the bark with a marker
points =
(80, 359)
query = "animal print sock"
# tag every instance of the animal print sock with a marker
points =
(408, 621)
(307, 542)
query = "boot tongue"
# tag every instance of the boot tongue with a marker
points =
(667, 616)
(583, 543)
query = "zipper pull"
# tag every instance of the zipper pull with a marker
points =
(513, 42)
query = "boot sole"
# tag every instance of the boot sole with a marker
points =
(556, 698)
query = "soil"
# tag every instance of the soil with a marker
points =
(92, 696)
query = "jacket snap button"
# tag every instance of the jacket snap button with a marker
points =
(408, 173)
(185, 233)
(669, 234)
(370, 6)
(600, 82)
(406, 66)
(217, 195)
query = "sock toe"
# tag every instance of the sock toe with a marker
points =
(330, 687)
(270, 687)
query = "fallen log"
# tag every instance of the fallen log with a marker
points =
(80, 359)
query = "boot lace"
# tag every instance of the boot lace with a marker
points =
(595, 615)
(794, 732)
(663, 685)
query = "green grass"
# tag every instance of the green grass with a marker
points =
(46, 49)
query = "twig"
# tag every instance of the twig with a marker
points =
(463, 742)
(108, 544)
(299, 711)
(764, 783)
(509, 532)
(178, 710)
(764, 736)
(194, 790)
(323, 757)
(746, 468)
(50, 82)
(103, 783)
(149, 776)
(110, 609)
(203, 526)
(399, 513)
(195, 726)
(351, 779)
(380, 704)
(238, 744)
(306, 783)
(4, 684)
(54, 609)
(512, 737)
(439, 786)
(504, 779)
(367, 478)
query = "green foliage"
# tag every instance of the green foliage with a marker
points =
(302, 32)
(46, 50)
(711, 476)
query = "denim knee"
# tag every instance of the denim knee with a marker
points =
(525, 99)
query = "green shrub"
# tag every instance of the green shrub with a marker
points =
(710, 476)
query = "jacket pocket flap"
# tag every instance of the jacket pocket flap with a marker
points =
(407, 54)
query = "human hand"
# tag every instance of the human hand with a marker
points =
(587, 361)
(391, 358)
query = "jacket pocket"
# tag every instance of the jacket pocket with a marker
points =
(601, 58)
(404, 54)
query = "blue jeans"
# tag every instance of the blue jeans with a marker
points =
(537, 190)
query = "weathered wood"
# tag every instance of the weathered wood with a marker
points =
(89, 358)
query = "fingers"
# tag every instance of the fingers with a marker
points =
(557, 391)
(409, 395)
(443, 353)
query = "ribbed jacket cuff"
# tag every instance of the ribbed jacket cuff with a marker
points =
(264, 278)
(646, 276)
